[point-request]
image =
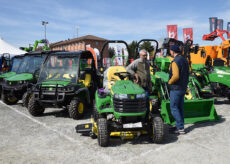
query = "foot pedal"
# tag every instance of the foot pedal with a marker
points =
(84, 129)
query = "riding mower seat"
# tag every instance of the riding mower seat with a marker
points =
(218, 62)
(110, 78)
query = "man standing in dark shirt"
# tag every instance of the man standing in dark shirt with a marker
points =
(178, 81)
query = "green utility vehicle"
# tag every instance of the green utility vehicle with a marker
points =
(16, 61)
(195, 108)
(15, 87)
(120, 108)
(68, 80)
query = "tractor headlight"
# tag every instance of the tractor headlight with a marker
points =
(139, 96)
(120, 96)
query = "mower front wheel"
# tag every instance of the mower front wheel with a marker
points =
(157, 129)
(76, 109)
(103, 132)
(34, 108)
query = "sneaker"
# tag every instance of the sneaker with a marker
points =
(180, 131)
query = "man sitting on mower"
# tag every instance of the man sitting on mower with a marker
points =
(140, 69)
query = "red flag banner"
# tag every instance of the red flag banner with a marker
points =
(172, 31)
(187, 34)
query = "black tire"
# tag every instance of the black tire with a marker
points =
(9, 100)
(25, 99)
(96, 115)
(157, 132)
(76, 109)
(103, 132)
(34, 108)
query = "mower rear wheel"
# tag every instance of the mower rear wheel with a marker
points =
(9, 100)
(76, 109)
(157, 129)
(103, 132)
(34, 108)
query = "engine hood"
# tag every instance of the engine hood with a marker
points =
(126, 87)
(21, 76)
(53, 83)
(222, 70)
(8, 74)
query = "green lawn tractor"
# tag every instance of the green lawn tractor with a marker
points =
(196, 109)
(16, 61)
(67, 80)
(120, 109)
(215, 78)
(15, 87)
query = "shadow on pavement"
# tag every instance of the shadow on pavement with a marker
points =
(64, 113)
(205, 124)
(145, 139)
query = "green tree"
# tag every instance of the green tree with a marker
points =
(132, 48)
(147, 46)
(111, 52)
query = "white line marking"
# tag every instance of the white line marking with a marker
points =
(42, 124)
(56, 131)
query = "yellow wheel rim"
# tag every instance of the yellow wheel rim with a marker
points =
(81, 108)
(188, 95)
(150, 106)
(12, 99)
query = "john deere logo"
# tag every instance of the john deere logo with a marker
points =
(50, 89)
(132, 97)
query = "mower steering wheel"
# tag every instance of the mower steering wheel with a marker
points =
(122, 75)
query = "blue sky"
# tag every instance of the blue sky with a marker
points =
(20, 20)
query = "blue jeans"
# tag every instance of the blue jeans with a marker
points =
(147, 101)
(177, 107)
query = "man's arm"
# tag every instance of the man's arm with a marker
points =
(175, 72)
(131, 68)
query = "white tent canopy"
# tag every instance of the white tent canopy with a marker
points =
(7, 48)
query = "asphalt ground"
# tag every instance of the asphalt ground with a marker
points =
(52, 139)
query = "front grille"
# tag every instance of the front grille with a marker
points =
(52, 89)
(129, 106)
